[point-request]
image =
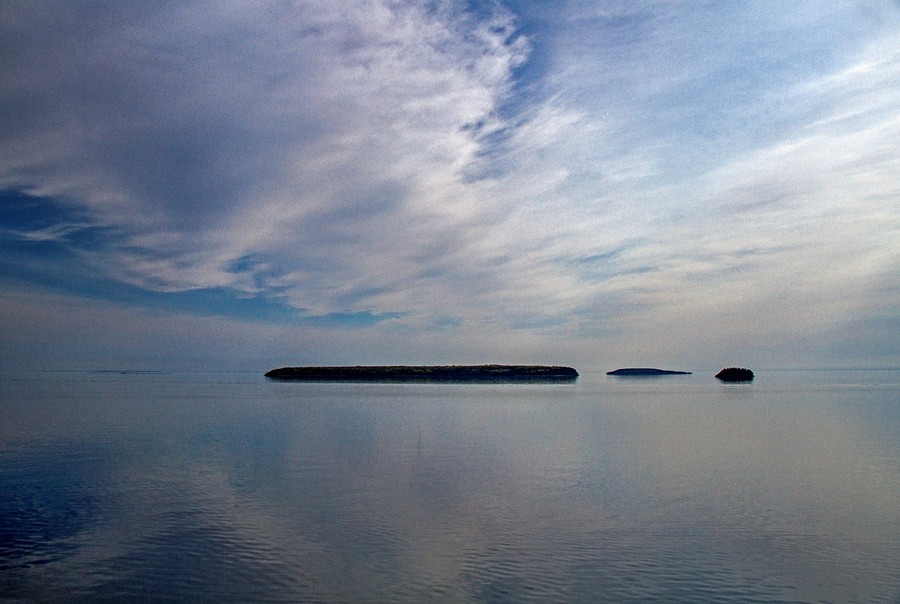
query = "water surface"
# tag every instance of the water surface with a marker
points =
(186, 487)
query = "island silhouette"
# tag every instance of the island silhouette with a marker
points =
(427, 373)
(644, 372)
(735, 374)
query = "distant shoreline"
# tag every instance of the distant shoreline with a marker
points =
(427, 373)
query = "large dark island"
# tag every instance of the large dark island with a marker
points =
(645, 372)
(427, 373)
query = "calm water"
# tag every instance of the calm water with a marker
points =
(227, 487)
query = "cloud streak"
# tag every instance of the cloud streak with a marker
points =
(214, 132)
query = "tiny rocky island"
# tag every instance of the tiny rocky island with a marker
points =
(427, 373)
(735, 374)
(644, 372)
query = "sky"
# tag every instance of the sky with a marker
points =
(214, 185)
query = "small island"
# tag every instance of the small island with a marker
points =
(735, 374)
(645, 372)
(427, 373)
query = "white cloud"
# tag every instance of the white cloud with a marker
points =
(668, 171)
(330, 134)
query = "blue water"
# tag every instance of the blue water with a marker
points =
(228, 487)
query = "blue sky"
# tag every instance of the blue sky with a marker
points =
(244, 185)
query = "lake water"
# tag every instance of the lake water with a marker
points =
(229, 487)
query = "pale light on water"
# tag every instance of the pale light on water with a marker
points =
(185, 487)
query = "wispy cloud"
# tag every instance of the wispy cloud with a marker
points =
(463, 177)
(316, 135)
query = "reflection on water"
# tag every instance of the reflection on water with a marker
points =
(203, 486)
